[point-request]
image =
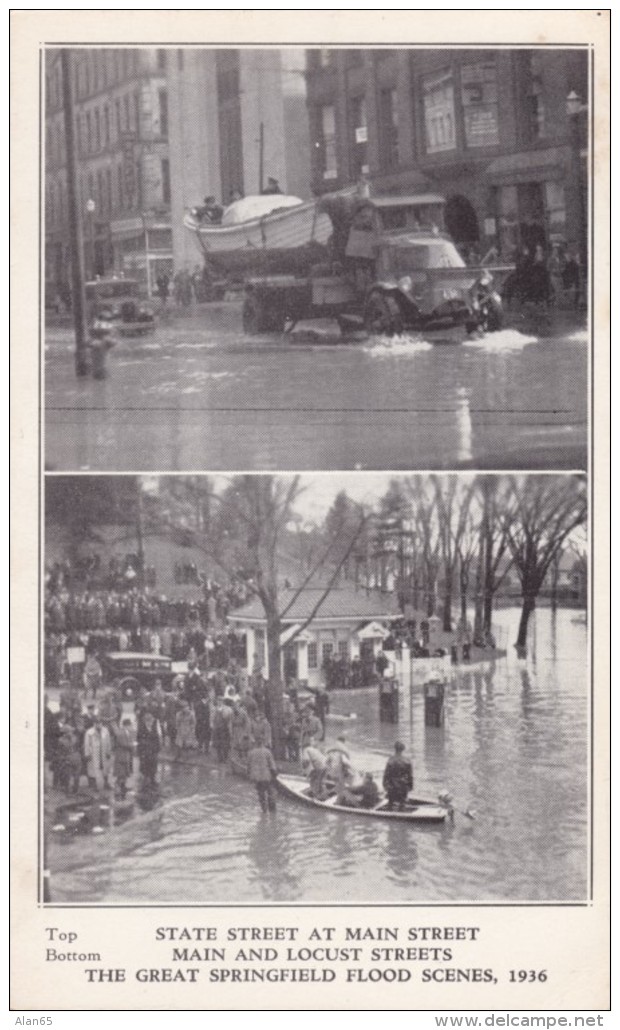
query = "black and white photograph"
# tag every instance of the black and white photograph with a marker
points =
(310, 381)
(270, 258)
(310, 688)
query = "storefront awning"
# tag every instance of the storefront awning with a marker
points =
(528, 166)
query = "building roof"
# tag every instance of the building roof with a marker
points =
(340, 603)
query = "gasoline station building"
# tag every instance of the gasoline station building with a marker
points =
(347, 623)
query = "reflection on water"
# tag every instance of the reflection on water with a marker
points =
(202, 395)
(513, 748)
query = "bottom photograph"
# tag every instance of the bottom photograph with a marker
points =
(327, 688)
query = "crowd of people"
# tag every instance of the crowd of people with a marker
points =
(93, 736)
(97, 606)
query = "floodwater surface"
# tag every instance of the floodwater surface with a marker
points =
(514, 751)
(199, 394)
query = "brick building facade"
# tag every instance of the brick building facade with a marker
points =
(491, 130)
(121, 113)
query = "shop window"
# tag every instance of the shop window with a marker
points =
(439, 122)
(479, 98)
(313, 655)
(328, 165)
(388, 121)
(358, 135)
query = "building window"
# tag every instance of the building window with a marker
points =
(479, 97)
(136, 113)
(326, 144)
(313, 655)
(324, 58)
(119, 188)
(165, 180)
(327, 650)
(358, 134)
(126, 113)
(89, 132)
(536, 100)
(119, 119)
(161, 60)
(163, 112)
(97, 130)
(108, 189)
(438, 93)
(388, 121)
(106, 126)
(343, 649)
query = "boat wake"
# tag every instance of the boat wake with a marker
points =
(397, 346)
(503, 340)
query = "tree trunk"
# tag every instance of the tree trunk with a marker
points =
(487, 613)
(528, 606)
(274, 688)
(447, 605)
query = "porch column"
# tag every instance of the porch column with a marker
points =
(302, 660)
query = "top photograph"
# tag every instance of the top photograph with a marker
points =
(300, 259)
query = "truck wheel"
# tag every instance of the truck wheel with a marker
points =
(382, 316)
(258, 317)
(253, 315)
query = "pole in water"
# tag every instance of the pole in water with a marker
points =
(78, 299)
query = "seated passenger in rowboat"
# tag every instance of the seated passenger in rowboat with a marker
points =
(364, 795)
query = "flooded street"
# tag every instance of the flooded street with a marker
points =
(199, 394)
(514, 749)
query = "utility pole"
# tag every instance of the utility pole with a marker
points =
(261, 157)
(75, 222)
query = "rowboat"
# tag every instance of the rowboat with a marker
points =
(286, 224)
(418, 810)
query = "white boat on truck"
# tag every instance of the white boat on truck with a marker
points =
(274, 222)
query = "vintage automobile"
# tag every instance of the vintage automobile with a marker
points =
(118, 301)
(127, 671)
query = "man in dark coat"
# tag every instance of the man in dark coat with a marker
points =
(398, 777)
(148, 748)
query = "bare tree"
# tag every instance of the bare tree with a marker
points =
(541, 513)
(452, 503)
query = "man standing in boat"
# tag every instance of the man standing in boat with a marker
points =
(398, 778)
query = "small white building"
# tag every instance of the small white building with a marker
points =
(349, 623)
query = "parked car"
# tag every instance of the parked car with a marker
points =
(119, 302)
(127, 671)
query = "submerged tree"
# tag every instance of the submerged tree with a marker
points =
(541, 512)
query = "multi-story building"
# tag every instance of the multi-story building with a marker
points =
(121, 115)
(236, 118)
(500, 133)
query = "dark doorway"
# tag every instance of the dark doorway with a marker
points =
(461, 220)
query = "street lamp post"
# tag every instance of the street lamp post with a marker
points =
(90, 211)
(575, 109)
